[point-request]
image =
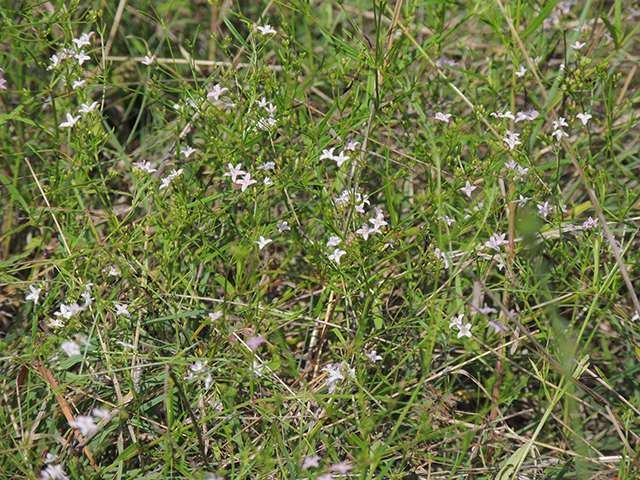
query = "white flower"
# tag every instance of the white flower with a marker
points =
(144, 166)
(34, 295)
(267, 181)
(81, 57)
(328, 153)
(266, 123)
(377, 223)
(86, 108)
(442, 117)
(352, 146)
(520, 173)
(584, 118)
(169, 178)
(283, 226)
(340, 159)
(266, 30)
(465, 331)
(334, 241)
(511, 165)
(85, 39)
(54, 472)
(443, 256)
(335, 256)
(468, 189)
(635, 317)
(100, 412)
(545, 209)
(234, 172)
(84, 423)
(590, 223)
(71, 348)
(521, 72)
(365, 231)
(186, 151)
(114, 272)
(68, 311)
(559, 134)
(71, 121)
(577, 45)
(216, 92)
(148, 60)
(263, 242)
(523, 201)
(50, 458)
(456, 321)
(561, 122)
(246, 181)
(122, 310)
(511, 139)
(496, 241)
(271, 109)
(79, 84)
(213, 316)
(257, 368)
(267, 166)
(56, 323)
(262, 103)
(198, 367)
(373, 357)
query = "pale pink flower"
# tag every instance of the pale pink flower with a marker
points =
(443, 117)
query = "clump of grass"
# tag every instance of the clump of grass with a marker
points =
(306, 240)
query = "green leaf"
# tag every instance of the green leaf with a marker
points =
(7, 183)
(544, 13)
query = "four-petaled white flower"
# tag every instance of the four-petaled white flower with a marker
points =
(81, 57)
(584, 118)
(54, 472)
(198, 367)
(559, 134)
(34, 295)
(373, 356)
(79, 84)
(365, 231)
(267, 166)
(84, 423)
(443, 117)
(263, 242)
(449, 221)
(335, 256)
(545, 209)
(309, 462)
(590, 223)
(186, 151)
(468, 189)
(327, 153)
(71, 121)
(148, 60)
(245, 182)
(283, 226)
(378, 222)
(267, 181)
(130, 346)
(267, 29)
(464, 331)
(144, 166)
(234, 172)
(122, 310)
(86, 108)
(342, 467)
(334, 241)
(100, 412)
(169, 178)
(577, 45)
(254, 342)
(521, 72)
(561, 122)
(71, 348)
(351, 146)
(113, 272)
(216, 92)
(456, 321)
(522, 201)
(511, 139)
(85, 39)
(341, 158)
(496, 241)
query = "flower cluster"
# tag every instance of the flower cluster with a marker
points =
(464, 330)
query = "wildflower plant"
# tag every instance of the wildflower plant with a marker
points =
(319, 240)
